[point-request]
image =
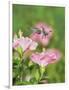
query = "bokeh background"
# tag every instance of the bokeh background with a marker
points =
(25, 16)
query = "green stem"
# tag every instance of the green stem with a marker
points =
(22, 69)
(42, 70)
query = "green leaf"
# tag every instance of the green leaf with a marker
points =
(16, 62)
(36, 73)
(30, 63)
(33, 81)
(20, 51)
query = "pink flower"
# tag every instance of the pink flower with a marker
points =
(25, 43)
(47, 57)
(42, 33)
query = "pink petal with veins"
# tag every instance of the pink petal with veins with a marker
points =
(47, 57)
(26, 43)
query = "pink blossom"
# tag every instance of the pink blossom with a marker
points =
(44, 35)
(25, 43)
(47, 57)
(15, 41)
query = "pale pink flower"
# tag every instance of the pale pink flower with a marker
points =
(15, 41)
(42, 33)
(25, 43)
(47, 57)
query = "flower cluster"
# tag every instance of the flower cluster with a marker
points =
(42, 34)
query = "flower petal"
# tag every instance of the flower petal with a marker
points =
(47, 57)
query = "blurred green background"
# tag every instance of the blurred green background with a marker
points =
(25, 16)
